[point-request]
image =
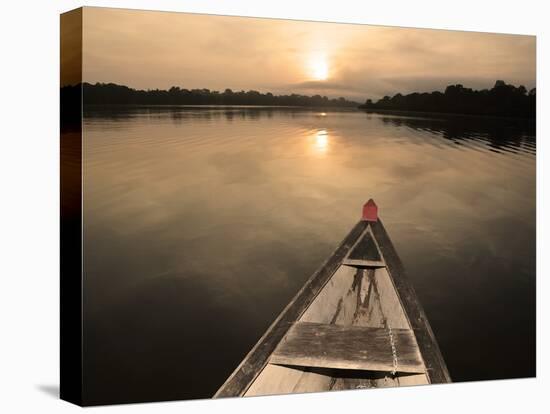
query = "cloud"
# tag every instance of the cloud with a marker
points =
(145, 49)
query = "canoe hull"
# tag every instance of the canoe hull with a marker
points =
(356, 323)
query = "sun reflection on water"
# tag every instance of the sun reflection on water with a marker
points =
(321, 140)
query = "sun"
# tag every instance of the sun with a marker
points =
(318, 66)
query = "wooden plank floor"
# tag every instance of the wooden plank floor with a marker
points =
(348, 347)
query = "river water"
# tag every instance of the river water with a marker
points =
(202, 223)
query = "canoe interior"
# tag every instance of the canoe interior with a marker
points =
(349, 327)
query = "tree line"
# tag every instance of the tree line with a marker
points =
(110, 93)
(501, 100)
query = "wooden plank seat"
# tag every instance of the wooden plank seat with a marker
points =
(363, 263)
(349, 347)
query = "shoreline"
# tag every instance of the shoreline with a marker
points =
(211, 106)
(445, 114)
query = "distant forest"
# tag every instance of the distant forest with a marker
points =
(110, 93)
(502, 100)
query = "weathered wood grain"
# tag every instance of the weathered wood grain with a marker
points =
(351, 383)
(412, 379)
(348, 347)
(436, 369)
(239, 381)
(363, 263)
(386, 298)
(336, 301)
(278, 379)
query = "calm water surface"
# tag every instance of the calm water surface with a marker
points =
(201, 224)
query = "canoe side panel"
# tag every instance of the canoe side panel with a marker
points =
(257, 358)
(436, 369)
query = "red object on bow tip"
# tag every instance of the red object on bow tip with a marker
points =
(370, 211)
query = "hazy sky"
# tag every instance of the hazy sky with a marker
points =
(147, 50)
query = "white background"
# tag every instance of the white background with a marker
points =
(29, 176)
